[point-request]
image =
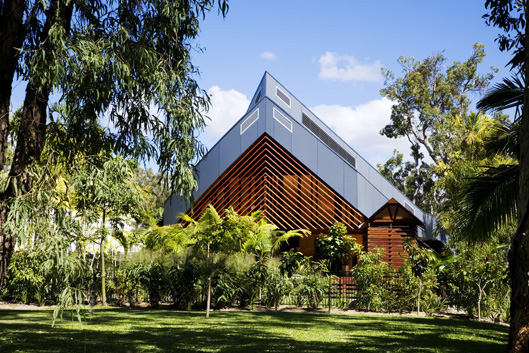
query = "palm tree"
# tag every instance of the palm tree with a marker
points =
(487, 202)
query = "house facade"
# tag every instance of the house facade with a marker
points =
(282, 159)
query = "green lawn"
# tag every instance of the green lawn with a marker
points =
(143, 330)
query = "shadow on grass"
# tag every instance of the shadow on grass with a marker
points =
(143, 330)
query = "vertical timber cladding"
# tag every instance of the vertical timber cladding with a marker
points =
(267, 177)
(387, 229)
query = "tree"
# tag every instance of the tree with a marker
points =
(336, 248)
(511, 17)
(420, 260)
(412, 178)
(506, 189)
(126, 60)
(207, 235)
(108, 191)
(477, 275)
(431, 109)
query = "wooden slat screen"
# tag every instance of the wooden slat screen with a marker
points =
(389, 238)
(267, 177)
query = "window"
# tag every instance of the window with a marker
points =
(328, 140)
(257, 97)
(283, 120)
(249, 121)
(283, 96)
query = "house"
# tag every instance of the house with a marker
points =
(281, 159)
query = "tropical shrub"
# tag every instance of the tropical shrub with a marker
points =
(335, 248)
(477, 280)
(310, 286)
(182, 283)
(374, 281)
(25, 281)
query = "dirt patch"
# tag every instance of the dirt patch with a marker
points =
(16, 306)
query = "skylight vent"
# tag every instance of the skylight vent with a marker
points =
(409, 207)
(328, 140)
(283, 96)
(249, 121)
(283, 120)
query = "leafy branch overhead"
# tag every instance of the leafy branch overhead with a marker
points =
(122, 80)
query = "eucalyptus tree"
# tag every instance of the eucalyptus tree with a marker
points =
(126, 63)
(431, 109)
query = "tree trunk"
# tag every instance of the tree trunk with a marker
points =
(519, 253)
(479, 302)
(32, 128)
(419, 297)
(11, 37)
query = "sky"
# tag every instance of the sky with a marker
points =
(329, 54)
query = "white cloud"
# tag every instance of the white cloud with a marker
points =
(268, 55)
(360, 128)
(347, 68)
(226, 108)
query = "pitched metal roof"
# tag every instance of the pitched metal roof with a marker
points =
(277, 112)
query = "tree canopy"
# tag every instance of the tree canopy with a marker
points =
(124, 79)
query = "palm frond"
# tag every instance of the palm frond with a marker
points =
(487, 203)
(209, 218)
(504, 140)
(504, 95)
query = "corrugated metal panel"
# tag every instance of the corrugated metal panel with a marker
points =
(230, 148)
(172, 207)
(327, 139)
(249, 137)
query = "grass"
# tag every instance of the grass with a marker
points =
(142, 330)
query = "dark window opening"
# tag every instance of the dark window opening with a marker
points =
(328, 140)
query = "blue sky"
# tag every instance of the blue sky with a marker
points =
(328, 54)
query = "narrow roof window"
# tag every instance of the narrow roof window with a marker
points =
(257, 97)
(283, 96)
(249, 121)
(327, 139)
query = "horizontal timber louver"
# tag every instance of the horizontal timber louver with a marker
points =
(267, 177)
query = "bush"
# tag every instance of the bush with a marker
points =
(25, 281)
(477, 281)
(374, 281)
(182, 283)
(310, 286)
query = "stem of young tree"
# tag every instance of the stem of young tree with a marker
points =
(102, 257)
(419, 297)
(208, 301)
